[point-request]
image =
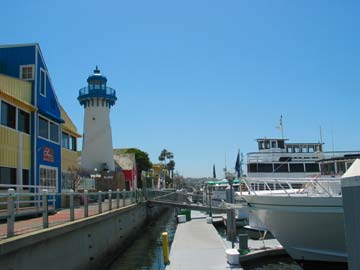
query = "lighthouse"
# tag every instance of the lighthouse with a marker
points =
(97, 99)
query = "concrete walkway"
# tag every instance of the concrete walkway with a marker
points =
(197, 245)
(59, 217)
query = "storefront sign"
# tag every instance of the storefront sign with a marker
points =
(48, 154)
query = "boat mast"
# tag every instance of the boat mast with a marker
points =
(281, 127)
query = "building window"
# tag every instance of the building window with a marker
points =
(42, 82)
(65, 140)
(8, 115)
(43, 128)
(23, 121)
(48, 177)
(7, 176)
(54, 132)
(27, 72)
(48, 130)
(25, 176)
(73, 143)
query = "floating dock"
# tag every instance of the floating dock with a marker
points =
(198, 245)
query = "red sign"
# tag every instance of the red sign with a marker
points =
(48, 154)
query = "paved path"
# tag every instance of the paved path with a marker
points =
(60, 217)
(197, 245)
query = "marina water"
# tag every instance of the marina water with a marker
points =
(145, 253)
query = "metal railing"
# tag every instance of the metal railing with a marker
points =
(27, 212)
(329, 187)
(95, 90)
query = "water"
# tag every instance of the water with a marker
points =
(145, 253)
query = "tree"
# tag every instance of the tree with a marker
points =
(162, 156)
(143, 162)
(170, 167)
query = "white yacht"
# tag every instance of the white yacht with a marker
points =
(277, 158)
(308, 221)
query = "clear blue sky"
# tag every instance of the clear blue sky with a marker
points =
(204, 78)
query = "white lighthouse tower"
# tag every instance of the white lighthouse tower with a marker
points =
(97, 99)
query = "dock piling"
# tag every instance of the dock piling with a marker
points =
(231, 225)
(165, 247)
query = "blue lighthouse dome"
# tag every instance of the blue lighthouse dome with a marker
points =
(97, 93)
(97, 78)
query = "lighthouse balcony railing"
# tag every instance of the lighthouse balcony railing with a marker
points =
(96, 90)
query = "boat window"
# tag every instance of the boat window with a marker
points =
(267, 145)
(304, 150)
(296, 149)
(341, 167)
(311, 149)
(348, 164)
(252, 167)
(281, 159)
(261, 145)
(296, 167)
(265, 167)
(281, 167)
(281, 144)
(328, 168)
(273, 144)
(289, 149)
(312, 167)
(317, 148)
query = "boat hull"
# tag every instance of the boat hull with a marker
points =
(309, 228)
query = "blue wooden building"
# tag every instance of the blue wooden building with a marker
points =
(38, 152)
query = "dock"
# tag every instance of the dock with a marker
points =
(198, 245)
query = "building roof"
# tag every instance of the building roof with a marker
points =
(125, 161)
(68, 125)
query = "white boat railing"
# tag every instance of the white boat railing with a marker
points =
(294, 186)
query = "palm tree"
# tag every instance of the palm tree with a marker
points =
(171, 166)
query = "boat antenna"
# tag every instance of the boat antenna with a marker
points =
(225, 169)
(321, 136)
(332, 142)
(281, 127)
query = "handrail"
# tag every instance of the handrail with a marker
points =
(102, 90)
(309, 186)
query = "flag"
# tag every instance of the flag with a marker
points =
(237, 165)
(214, 172)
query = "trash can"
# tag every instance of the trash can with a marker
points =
(187, 213)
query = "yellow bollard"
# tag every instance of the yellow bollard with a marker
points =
(165, 246)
